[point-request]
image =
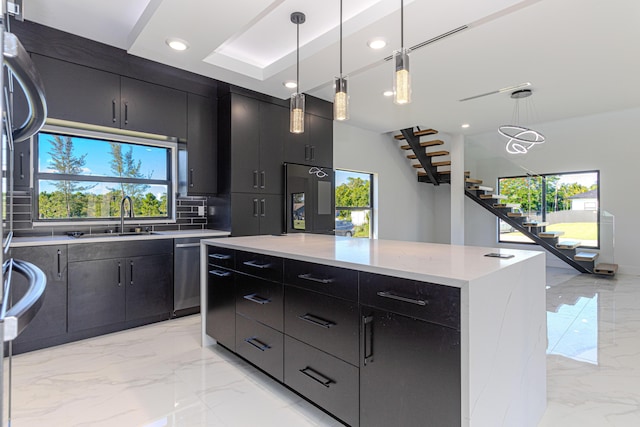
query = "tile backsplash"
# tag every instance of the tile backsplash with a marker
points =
(191, 214)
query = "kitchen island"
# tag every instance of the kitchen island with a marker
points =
(380, 332)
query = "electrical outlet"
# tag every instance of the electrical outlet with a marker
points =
(200, 210)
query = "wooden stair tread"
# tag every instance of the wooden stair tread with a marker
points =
(473, 180)
(550, 234)
(535, 224)
(506, 205)
(568, 244)
(606, 269)
(442, 163)
(586, 256)
(515, 214)
(448, 172)
(432, 143)
(437, 153)
(480, 188)
(492, 196)
(419, 133)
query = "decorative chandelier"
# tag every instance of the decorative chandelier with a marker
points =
(520, 139)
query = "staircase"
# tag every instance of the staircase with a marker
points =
(431, 162)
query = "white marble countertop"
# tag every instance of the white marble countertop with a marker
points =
(444, 264)
(103, 237)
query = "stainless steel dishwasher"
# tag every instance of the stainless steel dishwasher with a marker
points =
(186, 280)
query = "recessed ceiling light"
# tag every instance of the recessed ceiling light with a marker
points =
(290, 84)
(466, 125)
(388, 93)
(177, 44)
(377, 43)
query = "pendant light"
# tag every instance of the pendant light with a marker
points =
(341, 97)
(401, 76)
(520, 139)
(296, 120)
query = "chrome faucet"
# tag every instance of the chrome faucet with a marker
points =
(122, 211)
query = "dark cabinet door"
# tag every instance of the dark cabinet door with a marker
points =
(296, 145)
(245, 214)
(147, 107)
(79, 93)
(260, 299)
(148, 283)
(271, 213)
(51, 319)
(425, 356)
(245, 144)
(260, 345)
(96, 293)
(22, 165)
(273, 129)
(320, 149)
(221, 306)
(202, 145)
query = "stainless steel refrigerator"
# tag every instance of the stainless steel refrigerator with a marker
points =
(309, 199)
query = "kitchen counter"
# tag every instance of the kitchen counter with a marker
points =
(502, 328)
(104, 237)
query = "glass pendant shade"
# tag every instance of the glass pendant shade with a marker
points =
(296, 123)
(401, 77)
(341, 100)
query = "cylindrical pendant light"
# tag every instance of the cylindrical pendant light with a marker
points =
(401, 76)
(341, 97)
(296, 119)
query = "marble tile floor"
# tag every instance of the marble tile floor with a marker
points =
(158, 375)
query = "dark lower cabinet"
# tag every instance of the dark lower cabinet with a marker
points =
(253, 214)
(409, 372)
(149, 282)
(326, 380)
(261, 345)
(96, 293)
(51, 319)
(259, 299)
(221, 304)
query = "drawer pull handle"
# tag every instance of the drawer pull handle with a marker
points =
(257, 299)
(220, 256)
(316, 321)
(317, 377)
(257, 343)
(315, 279)
(390, 295)
(367, 336)
(220, 273)
(256, 265)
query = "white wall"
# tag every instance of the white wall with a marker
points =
(606, 142)
(405, 207)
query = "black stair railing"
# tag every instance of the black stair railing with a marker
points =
(518, 226)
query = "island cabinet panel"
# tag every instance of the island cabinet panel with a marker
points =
(221, 296)
(334, 281)
(260, 299)
(260, 265)
(51, 319)
(326, 380)
(261, 345)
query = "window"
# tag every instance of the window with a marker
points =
(567, 202)
(354, 201)
(83, 175)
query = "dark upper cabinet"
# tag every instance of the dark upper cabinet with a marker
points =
(147, 107)
(22, 149)
(274, 127)
(78, 93)
(202, 145)
(245, 144)
(87, 95)
(51, 319)
(314, 146)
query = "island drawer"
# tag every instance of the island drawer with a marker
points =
(259, 299)
(325, 380)
(221, 257)
(260, 345)
(325, 322)
(422, 300)
(335, 281)
(264, 266)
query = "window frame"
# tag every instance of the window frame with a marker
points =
(357, 208)
(119, 136)
(544, 206)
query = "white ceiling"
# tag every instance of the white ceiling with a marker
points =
(581, 56)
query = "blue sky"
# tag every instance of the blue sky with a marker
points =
(342, 176)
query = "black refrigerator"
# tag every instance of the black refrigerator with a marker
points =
(309, 199)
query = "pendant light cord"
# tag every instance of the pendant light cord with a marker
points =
(298, 56)
(340, 38)
(401, 24)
